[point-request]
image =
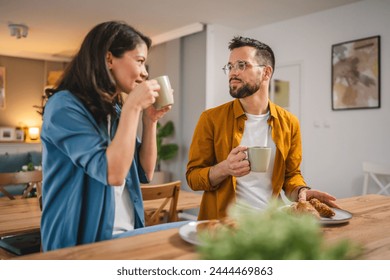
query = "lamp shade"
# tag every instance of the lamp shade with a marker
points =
(33, 133)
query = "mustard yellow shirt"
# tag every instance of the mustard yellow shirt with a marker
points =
(218, 131)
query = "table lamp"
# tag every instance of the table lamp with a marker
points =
(33, 134)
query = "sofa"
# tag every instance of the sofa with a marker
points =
(14, 163)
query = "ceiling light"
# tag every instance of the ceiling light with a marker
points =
(18, 30)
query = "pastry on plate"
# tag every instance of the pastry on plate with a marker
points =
(304, 207)
(212, 226)
(323, 209)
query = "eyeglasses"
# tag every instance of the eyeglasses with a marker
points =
(239, 65)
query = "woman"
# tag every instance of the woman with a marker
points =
(93, 162)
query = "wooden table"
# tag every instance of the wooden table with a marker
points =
(19, 216)
(162, 245)
(369, 226)
(24, 215)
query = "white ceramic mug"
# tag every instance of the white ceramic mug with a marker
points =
(259, 158)
(165, 96)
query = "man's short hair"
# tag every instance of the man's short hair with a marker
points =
(264, 53)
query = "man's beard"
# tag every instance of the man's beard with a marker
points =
(244, 91)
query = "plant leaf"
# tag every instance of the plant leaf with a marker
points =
(168, 151)
(273, 234)
(166, 130)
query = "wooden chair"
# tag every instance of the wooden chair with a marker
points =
(29, 178)
(168, 192)
(378, 173)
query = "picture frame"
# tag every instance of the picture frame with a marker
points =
(7, 134)
(356, 74)
(2, 88)
(19, 135)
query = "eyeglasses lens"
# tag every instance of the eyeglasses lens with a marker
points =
(239, 65)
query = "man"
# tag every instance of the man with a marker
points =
(218, 162)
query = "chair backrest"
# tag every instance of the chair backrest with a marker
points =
(374, 171)
(164, 193)
(30, 178)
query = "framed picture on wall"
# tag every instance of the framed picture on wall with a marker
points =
(19, 135)
(356, 74)
(7, 133)
(2, 87)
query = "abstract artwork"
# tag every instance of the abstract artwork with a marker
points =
(356, 74)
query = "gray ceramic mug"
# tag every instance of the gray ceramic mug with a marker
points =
(259, 158)
(165, 96)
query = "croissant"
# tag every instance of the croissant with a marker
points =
(212, 226)
(323, 209)
(305, 207)
(207, 225)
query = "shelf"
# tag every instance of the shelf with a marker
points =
(18, 142)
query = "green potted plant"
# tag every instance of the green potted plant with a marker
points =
(272, 234)
(165, 151)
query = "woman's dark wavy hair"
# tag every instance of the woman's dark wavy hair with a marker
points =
(263, 51)
(88, 77)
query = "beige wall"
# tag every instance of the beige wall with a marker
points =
(25, 81)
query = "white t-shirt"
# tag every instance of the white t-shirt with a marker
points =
(255, 188)
(124, 210)
(124, 206)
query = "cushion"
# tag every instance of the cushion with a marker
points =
(13, 162)
(35, 157)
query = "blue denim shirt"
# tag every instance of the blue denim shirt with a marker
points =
(78, 203)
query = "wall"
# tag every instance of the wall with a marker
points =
(217, 85)
(164, 59)
(25, 81)
(24, 85)
(193, 92)
(183, 60)
(333, 152)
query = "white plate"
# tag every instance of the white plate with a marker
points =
(340, 217)
(189, 233)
